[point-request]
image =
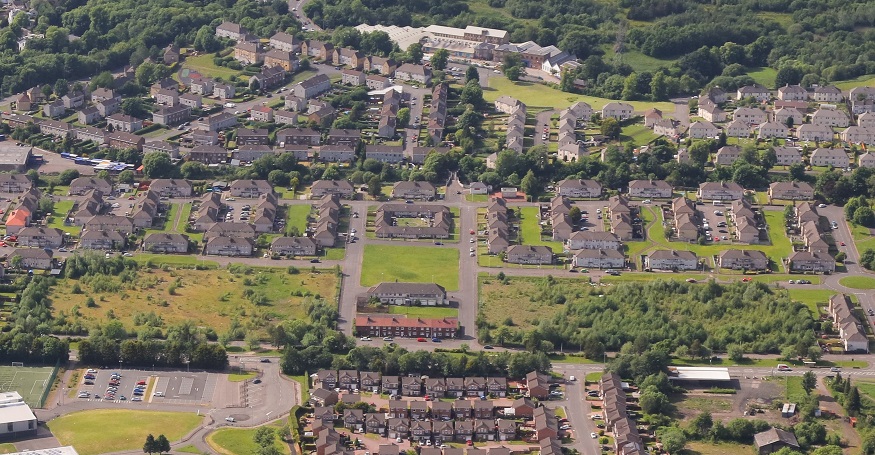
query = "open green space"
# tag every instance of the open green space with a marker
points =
(210, 298)
(204, 65)
(793, 391)
(160, 260)
(87, 431)
(304, 382)
(866, 387)
(858, 282)
(763, 76)
(705, 404)
(7, 448)
(722, 448)
(537, 96)
(170, 222)
(418, 264)
(812, 298)
(867, 80)
(335, 254)
(238, 441)
(297, 216)
(638, 134)
(595, 376)
(425, 311)
(477, 197)
(58, 216)
(521, 302)
(637, 60)
(863, 238)
(190, 449)
(530, 229)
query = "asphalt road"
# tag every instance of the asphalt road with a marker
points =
(542, 119)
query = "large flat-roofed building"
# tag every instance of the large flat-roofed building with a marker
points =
(698, 374)
(14, 157)
(16, 418)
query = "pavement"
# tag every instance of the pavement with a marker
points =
(269, 401)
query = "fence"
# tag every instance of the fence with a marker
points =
(49, 382)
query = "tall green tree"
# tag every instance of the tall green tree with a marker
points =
(809, 382)
(149, 446)
(439, 59)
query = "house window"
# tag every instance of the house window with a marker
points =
(9, 427)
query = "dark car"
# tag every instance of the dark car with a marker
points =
(315, 261)
(265, 360)
(488, 346)
(256, 381)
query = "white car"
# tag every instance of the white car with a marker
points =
(137, 399)
(593, 435)
(91, 370)
(231, 419)
(365, 338)
(158, 394)
(821, 206)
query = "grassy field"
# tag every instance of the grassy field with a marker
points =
(7, 448)
(638, 61)
(61, 210)
(417, 264)
(530, 229)
(240, 377)
(541, 96)
(238, 441)
(723, 448)
(297, 216)
(189, 449)
(866, 387)
(204, 65)
(160, 260)
(170, 222)
(763, 76)
(783, 19)
(425, 311)
(812, 298)
(862, 81)
(863, 237)
(793, 391)
(704, 404)
(519, 299)
(87, 430)
(595, 376)
(638, 134)
(211, 298)
(858, 282)
(304, 382)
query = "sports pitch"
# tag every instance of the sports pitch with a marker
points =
(29, 382)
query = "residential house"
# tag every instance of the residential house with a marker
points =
(88, 115)
(108, 107)
(413, 190)
(293, 246)
(830, 117)
(866, 160)
(828, 94)
(40, 237)
(464, 430)
(312, 87)
(208, 154)
(317, 49)
(348, 379)
(82, 185)
(56, 128)
(546, 425)
(484, 430)
(475, 386)
(342, 188)
(224, 91)
(462, 409)
(354, 419)
(411, 386)
(727, 155)
(246, 136)
(202, 86)
(805, 261)
(101, 240)
(420, 430)
(756, 91)
(160, 242)
(191, 100)
(125, 123)
(601, 258)
(743, 260)
(412, 72)
(442, 410)
(397, 428)
(671, 260)
(507, 431)
(703, 130)
(231, 30)
(73, 100)
(326, 379)
(323, 412)
(617, 110)
(348, 57)
(667, 127)
(442, 431)
(97, 135)
(281, 58)
(418, 409)
(298, 136)
(496, 386)
(579, 188)
(204, 137)
(791, 191)
(787, 155)
(167, 97)
(834, 157)
(171, 115)
(120, 224)
(375, 422)
(376, 82)
(737, 128)
(14, 183)
(770, 130)
(248, 53)
(858, 134)
(866, 120)
(122, 140)
(750, 115)
(262, 114)
(537, 385)
(436, 387)
(792, 93)
(720, 191)
(33, 258)
(484, 409)
(273, 75)
(54, 109)
(171, 55)
(380, 65)
(391, 385)
(528, 254)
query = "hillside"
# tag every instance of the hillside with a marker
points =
(691, 43)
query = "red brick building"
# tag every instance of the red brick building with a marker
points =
(399, 326)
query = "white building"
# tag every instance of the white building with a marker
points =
(16, 418)
(830, 157)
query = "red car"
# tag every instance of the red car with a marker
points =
(843, 243)
(470, 443)
(745, 280)
(421, 340)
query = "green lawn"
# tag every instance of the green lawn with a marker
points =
(304, 382)
(184, 215)
(57, 221)
(862, 81)
(638, 61)
(190, 449)
(170, 222)
(87, 431)
(763, 76)
(812, 298)
(638, 134)
(418, 264)
(858, 282)
(537, 96)
(723, 448)
(530, 229)
(595, 376)
(477, 197)
(7, 448)
(866, 387)
(237, 441)
(240, 377)
(794, 391)
(335, 254)
(204, 65)
(297, 216)
(425, 311)
(171, 260)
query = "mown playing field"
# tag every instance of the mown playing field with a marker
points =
(113, 430)
(29, 382)
(417, 264)
(211, 298)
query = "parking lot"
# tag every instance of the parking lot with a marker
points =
(590, 213)
(714, 216)
(166, 387)
(99, 389)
